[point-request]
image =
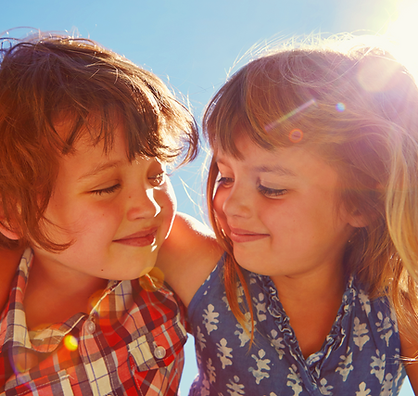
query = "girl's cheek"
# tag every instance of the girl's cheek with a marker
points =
(218, 202)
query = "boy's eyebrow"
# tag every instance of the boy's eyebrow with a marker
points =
(99, 169)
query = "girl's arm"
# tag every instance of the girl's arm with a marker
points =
(188, 256)
(9, 260)
(409, 350)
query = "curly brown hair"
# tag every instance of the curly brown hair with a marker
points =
(50, 78)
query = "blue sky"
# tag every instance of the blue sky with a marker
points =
(193, 44)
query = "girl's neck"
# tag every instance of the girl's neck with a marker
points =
(311, 302)
(55, 296)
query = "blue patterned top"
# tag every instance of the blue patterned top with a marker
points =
(360, 356)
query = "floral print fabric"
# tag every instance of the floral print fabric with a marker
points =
(360, 356)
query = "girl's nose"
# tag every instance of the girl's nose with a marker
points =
(143, 205)
(237, 203)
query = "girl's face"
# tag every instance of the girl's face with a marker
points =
(280, 210)
(117, 212)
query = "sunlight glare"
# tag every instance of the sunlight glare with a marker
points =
(403, 34)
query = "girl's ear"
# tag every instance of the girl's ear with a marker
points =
(357, 219)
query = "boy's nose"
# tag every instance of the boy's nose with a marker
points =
(143, 205)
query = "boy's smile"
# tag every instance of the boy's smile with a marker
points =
(142, 238)
(115, 212)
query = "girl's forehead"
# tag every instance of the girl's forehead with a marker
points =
(294, 162)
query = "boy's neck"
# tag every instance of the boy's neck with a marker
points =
(9, 260)
(55, 296)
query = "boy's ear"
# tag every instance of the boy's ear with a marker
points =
(6, 230)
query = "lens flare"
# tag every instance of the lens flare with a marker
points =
(22, 359)
(376, 74)
(303, 107)
(70, 342)
(295, 135)
(340, 107)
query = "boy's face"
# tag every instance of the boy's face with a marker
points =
(116, 212)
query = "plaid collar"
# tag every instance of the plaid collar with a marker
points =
(131, 342)
(13, 327)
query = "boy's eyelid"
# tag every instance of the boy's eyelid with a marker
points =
(106, 190)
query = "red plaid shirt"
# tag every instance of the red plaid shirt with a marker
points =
(131, 343)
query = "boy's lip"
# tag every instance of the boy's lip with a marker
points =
(239, 235)
(140, 238)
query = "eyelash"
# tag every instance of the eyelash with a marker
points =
(224, 180)
(156, 181)
(266, 191)
(108, 190)
(271, 192)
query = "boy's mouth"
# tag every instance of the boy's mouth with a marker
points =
(139, 239)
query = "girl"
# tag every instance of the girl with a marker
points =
(313, 194)
(85, 138)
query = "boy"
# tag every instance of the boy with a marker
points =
(85, 137)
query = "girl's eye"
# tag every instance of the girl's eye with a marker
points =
(225, 181)
(271, 192)
(107, 190)
(157, 180)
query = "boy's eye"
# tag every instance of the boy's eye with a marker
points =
(225, 181)
(158, 179)
(107, 190)
(271, 192)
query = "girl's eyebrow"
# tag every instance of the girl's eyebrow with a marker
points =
(99, 169)
(274, 169)
(278, 169)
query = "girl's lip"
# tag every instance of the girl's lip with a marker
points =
(139, 239)
(239, 235)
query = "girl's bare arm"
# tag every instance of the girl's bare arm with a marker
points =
(188, 256)
(409, 351)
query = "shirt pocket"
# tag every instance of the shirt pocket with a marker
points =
(53, 384)
(159, 347)
(156, 358)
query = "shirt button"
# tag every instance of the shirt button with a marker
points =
(90, 327)
(160, 352)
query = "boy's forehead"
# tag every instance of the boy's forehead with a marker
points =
(78, 133)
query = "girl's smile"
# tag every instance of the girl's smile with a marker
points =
(280, 209)
(238, 235)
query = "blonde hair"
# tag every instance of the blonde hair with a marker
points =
(359, 110)
(48, 79)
